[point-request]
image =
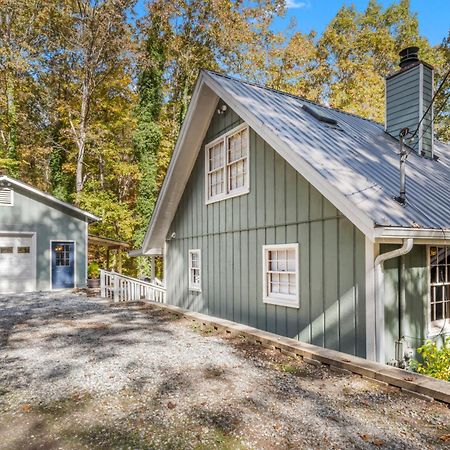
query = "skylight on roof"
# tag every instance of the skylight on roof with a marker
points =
(319, 115)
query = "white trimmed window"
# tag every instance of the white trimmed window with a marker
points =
(281, 275)
(439, 284)
(227, 165)
(195, 280)
(6, 196)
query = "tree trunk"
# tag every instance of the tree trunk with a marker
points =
(81, 139)
(11, 145)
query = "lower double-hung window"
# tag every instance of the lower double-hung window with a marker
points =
(195, 281)
(227, 165)
(281, 275)
(439, 283)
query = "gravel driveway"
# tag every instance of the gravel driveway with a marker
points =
(78, 373)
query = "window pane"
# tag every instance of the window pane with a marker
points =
(23, 249)
(281, 278)
(6, 249)
(284, 283)
(237, 145)
(237, 150)
(237, 173)
(216, 157)
(440, 282)
(194, 269)
(194, 260)
(216, 185)
(62, 255)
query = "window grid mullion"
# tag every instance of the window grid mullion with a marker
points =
(439, 283)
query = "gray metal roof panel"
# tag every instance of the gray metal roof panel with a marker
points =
(358, 158)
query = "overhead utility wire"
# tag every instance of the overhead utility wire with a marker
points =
(431, 104)
(435, 117)
(427, 111)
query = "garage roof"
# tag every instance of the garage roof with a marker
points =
(7, 181)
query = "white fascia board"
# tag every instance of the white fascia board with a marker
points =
(394, 234)
(363, 222)
(199, 114)
(151, 252)
(49, 197)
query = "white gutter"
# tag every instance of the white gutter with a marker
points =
(416, 233)
(379, 294)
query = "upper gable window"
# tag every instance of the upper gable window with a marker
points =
(227, 165)
(6, 196)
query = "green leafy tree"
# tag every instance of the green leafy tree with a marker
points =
(443, 99)
(147, 136)
(22, 44)
(360, 48)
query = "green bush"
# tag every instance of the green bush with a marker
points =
(436, 360)
(93, 270)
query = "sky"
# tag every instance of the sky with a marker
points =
(434, 15)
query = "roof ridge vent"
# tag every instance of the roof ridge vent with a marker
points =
(319, 115)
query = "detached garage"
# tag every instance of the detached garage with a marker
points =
(43, 241)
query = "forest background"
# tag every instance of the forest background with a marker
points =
(92, 98)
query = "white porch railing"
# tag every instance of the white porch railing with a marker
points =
(120, 288)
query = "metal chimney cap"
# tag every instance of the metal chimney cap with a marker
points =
(408, 56)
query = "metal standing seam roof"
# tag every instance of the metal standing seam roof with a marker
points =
(358, 157)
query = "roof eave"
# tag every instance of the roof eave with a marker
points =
(396, 234)
(182, 160)
(91, 217)
(151, 252)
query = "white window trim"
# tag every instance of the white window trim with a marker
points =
(223, 138)
(195, 287)
(441, 326)
(12, 197)
(291, 301)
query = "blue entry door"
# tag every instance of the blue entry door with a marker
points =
(63, 265)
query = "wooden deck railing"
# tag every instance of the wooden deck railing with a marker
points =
(120, 288)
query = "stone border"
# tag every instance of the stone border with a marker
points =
(421, 386)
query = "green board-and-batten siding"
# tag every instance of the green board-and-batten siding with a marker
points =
(415, 315)
(33, 214)
(282, 207)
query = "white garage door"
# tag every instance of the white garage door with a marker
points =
(17, 264)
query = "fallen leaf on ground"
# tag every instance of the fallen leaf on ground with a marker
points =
(26, 408)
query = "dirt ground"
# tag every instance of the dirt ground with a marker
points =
(78, 373)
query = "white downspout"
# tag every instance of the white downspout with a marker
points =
(379, 294)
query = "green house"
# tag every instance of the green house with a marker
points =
(286, 215)
(43, 241)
